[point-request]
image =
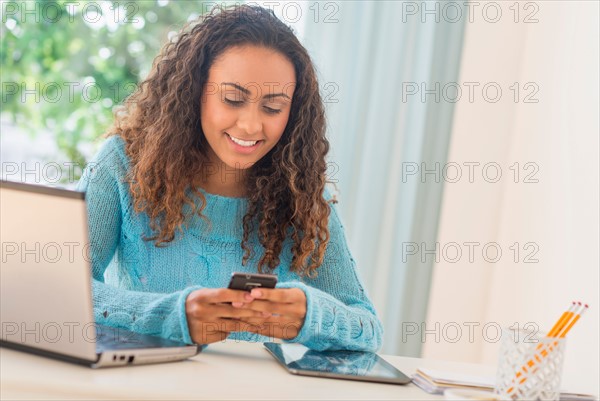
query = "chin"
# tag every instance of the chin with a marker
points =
(239, 164)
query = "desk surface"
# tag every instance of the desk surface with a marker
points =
(230, 370)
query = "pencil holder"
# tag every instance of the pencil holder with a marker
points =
(529, 366)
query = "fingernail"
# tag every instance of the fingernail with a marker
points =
(237, 304)
(266, 314)
(248, 297)
(256, 293)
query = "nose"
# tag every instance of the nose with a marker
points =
(249, 121)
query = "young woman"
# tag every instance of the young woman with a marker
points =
(215, 165)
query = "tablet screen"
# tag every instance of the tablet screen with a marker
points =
(352, 365)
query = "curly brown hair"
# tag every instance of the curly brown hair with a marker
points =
(161, 126)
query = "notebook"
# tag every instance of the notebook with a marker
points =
(435, 381)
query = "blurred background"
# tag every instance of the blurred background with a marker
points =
(464, 147)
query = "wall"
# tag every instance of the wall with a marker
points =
(554, 220)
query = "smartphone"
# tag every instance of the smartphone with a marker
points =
(248, 281)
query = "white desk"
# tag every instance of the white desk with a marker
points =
(228, 370)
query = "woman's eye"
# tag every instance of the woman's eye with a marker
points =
(233, 102)
(272, 111)
(237, 103)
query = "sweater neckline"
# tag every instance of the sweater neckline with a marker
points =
(225, 217)
(222, 198)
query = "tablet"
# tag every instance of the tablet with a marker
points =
(350, 365)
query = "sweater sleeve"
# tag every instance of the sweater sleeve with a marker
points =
(156, 314)
(339, 313)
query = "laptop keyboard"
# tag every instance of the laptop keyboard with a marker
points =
(115, 338)
(110, 338)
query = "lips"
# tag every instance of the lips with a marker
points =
(241, 146)
(242, 142)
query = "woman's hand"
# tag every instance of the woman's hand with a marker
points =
(211, 316)
(283, 311)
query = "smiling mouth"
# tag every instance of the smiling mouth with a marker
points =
(245, 144)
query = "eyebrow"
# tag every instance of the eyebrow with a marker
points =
(247, 92)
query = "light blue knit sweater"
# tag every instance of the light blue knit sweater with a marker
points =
(140, 287)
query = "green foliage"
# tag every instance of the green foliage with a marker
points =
(65, 65)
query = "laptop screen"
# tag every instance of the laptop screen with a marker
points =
(46, 300)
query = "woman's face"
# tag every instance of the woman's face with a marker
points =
(246, 104)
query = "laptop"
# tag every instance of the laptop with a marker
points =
(45, 285)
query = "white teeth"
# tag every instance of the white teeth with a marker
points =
(243, 143)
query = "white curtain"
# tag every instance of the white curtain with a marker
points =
(370, 56)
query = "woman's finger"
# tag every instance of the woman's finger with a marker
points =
(229, 311)
(219, 295)
(295, 310)
(282, 295)
(223, 325)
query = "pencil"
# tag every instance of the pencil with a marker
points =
(575, 319)
(572, 323)
(558, 326)
(572, 315)
(564, 318)
(560, 330)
